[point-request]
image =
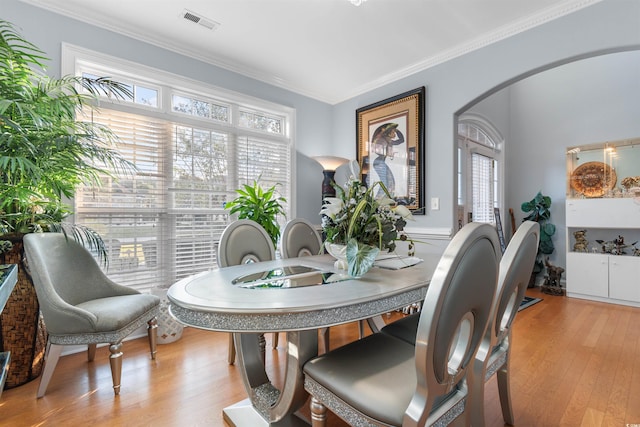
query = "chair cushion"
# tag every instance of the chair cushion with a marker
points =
(114, 313)
(381, 388)
(405, 328)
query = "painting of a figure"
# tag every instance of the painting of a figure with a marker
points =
(389, 153)
(390, 141)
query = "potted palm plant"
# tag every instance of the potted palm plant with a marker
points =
(46, 151)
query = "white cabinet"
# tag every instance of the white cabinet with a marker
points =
(624, 278)
(587, 274)
(602, 276)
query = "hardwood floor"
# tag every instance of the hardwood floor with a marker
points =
(575, 363)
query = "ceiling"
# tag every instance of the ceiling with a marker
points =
(329, 50)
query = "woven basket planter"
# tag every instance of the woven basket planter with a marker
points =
(21, 326)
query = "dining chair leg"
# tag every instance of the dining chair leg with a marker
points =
(263, 347)
(324, 340)
(152, 332)
(115, 360)
(91, 352)
(231, 357)
(50, 361)
(318, 413)
(504, 390)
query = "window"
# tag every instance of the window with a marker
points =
(192, 146)
(479, 171)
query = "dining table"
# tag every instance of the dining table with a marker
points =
(297, 296)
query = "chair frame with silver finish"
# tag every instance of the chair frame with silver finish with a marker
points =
(382, 380)
(241, 242)
(81, 305)
(495, 350)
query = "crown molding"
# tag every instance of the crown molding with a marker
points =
(532, 21)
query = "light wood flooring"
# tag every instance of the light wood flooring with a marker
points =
(575, 363)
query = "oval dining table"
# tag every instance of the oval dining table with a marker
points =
(297, 296)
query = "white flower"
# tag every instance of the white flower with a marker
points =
(403, 212)
(332, 207)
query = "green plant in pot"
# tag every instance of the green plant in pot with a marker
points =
(46, 151)
(539, 210)
(259, 205)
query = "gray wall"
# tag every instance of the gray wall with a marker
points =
(541, 116)
(459, 84)
(587, 101)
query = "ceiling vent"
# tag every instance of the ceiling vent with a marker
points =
(200, 20)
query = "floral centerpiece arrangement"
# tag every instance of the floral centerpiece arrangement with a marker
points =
(363, 224)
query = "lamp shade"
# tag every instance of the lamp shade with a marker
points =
(330, 163)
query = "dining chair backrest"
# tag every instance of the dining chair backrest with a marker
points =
(455, 316)
(299, 238)
(244, 241)
(515, 272)
(494, 352)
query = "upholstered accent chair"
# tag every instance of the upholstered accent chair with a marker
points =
(384, 380)
(80, 305)
(244, 241)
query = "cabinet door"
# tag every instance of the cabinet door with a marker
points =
(624, 278)
(588, 274)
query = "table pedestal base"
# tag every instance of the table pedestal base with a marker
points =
(243, 414)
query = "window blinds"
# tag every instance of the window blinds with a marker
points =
(163, 222)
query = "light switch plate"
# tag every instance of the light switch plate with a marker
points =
(435, 203)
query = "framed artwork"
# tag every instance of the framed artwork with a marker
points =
(390, 147)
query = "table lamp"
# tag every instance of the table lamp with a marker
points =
(329, 166)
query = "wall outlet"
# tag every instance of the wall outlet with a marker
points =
(435, 203)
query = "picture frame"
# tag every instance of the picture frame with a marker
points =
(391, 132)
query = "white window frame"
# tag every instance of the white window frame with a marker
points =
(465, 150)
(76, 60)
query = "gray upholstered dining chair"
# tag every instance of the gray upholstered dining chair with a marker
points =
(495, 350)
(383, 380)
(299, 238)
(81, 305)
(244, 241)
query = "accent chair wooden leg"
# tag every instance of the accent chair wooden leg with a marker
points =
(152, 332)
(231, 357)
(115, 360)
(318, 413)
(91, 352)
(50, 361)
(504, 390)
(276, 337)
